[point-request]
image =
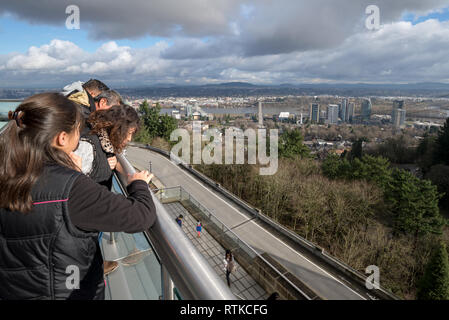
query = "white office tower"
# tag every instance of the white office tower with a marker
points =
(397, 105)
(399, 120)
(332, 114)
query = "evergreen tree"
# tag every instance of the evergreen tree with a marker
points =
(369, 168)
(155, 124)
(414, 205)
(434, 285)
(167, 125)
(291, 145)
(142, 135)
(412, 202)
(372, 169)
(150, 118)
(426, 153)
(332, 167)
(442, 149)
(357, 150)
(439, 175)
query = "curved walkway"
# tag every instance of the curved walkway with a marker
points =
(321, 281)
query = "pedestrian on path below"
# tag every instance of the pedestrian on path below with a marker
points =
(179, 219)
(199, 228)
(229, 266)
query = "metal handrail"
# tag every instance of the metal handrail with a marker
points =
(193, 277)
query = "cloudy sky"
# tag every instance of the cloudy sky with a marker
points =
(145, 42)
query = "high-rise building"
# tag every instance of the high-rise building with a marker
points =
(397, 105)
(400, 118)
(323, 116)
(343, 110)
(366, 109)
(315, 113)
(332, 114)
(350, 112)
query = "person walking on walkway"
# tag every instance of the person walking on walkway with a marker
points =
(179, 220)
(229, 266)
(199, 228)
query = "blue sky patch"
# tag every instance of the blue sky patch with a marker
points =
(441, 15)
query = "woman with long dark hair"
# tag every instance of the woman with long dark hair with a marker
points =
(50, 213)
(111, 130)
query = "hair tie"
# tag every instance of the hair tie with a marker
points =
(16, 116)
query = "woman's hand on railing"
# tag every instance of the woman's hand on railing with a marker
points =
(112, 162)
(142, 175)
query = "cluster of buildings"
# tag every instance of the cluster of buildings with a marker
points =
(342, 112)
(210, 102)
(332, 114)
(398, 112)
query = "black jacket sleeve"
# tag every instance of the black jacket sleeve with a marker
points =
(93, 207)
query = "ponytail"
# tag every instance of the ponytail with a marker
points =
(26, 146)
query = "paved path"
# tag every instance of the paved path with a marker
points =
(242, 285)
(321, 281)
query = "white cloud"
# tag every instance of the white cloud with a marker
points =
(249, 27)
(399, 52)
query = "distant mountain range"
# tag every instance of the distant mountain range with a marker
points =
(423, 85)
(436, 90)
(425, 89)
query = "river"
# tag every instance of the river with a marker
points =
(6, 106)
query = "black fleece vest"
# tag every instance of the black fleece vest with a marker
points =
(39, 251)
(101, 171)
